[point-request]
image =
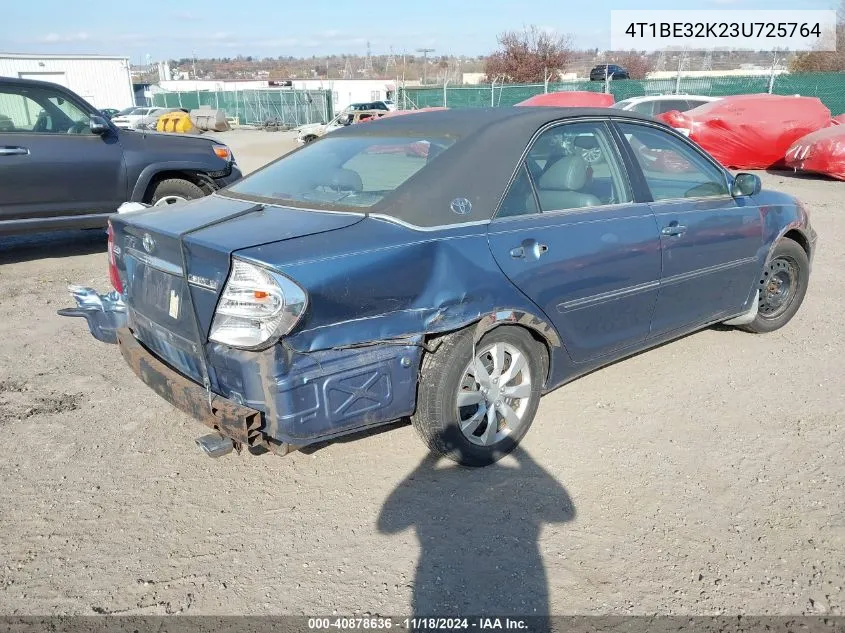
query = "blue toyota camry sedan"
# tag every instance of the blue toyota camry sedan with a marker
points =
(449, 266)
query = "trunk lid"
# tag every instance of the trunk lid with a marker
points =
(162, 280)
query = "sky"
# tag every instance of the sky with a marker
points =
(165, 29)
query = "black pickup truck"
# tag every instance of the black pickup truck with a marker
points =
(64, 165)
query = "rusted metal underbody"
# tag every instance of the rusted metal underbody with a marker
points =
(242, 424)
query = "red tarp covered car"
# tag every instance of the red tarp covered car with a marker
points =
(822, 152)
(570, 99)
(751, 131)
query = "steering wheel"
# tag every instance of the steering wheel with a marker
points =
(80, 127)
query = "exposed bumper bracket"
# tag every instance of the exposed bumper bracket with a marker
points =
(104, 313)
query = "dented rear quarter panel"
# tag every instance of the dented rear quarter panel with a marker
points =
(379, 281)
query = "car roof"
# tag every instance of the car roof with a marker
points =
(488, 146)
(465, 122)
(17, 81)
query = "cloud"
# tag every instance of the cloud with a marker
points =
(57, 38)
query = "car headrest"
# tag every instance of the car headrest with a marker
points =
(347, 180)
(567, 174)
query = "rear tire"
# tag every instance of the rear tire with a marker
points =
(783, 285)
(175, 190)
(457, 399)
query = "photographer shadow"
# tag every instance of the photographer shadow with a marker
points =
(479, 535)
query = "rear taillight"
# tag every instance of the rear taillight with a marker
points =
(114, 277)
(256, 307)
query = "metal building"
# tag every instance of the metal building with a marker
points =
(105, 82)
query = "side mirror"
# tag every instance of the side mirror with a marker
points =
(99, 125)
(746, 185)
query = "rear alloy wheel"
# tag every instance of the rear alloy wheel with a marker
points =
(782, 287)
(174, 191)
(475, 408)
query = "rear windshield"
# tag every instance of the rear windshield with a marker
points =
(344, 171)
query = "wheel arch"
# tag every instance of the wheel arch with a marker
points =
(796, 235)
(154, 174)
(540, 329)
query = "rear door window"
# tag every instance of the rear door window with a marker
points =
(576, 165)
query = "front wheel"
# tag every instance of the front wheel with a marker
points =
(783, 284)
(174, 191)
(474, 406)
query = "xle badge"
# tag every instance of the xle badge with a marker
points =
(174, 305)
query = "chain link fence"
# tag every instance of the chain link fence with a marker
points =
(829, 87)
(257, 107)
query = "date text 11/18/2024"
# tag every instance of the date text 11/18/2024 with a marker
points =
(420, 623)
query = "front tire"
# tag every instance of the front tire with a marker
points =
(174, 191)
(783, 284)
(475, 409)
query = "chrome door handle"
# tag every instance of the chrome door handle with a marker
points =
(673, 230)
(530, 249)
(14, 151)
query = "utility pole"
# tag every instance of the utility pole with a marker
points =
(195, 64)
(425, 52)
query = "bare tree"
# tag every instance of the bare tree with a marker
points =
(638, 65)
(824, 61)
(528, 56)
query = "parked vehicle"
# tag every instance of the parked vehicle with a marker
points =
(313, 131)
(342, 287)
(371, 105)
(64, 166)
(658, 104)
(602, 72)
(136, 117)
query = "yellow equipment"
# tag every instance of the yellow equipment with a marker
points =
(179, 122)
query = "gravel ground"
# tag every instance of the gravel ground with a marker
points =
(702, 477)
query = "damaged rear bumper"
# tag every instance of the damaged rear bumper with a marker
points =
(277, 399)
(105, 314)
(237, 422)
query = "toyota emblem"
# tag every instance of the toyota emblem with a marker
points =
(461, 206)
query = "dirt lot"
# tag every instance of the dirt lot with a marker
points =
(702, 477)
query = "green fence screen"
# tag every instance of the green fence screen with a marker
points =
(255, 107)
(829, 87)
